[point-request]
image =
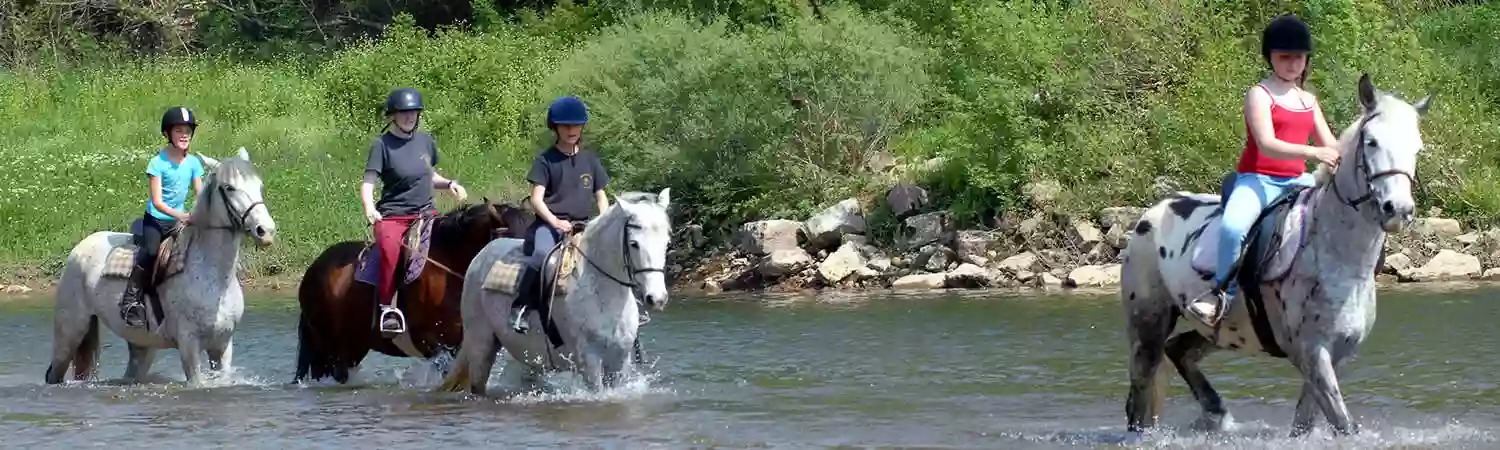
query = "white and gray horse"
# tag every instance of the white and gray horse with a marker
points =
(201, 304)
(623, 252)
(1318, 300)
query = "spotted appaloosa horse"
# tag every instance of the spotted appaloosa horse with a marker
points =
(1307, 279)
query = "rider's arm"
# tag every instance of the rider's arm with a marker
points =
(601, 199)
(1258, 117)
(537, 191)
(601, 181)
(367, 190)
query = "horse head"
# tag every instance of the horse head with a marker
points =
(641, 222)
(1383, 147)
(232, 198)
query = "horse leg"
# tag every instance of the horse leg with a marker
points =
(221, 355)
(1150, 317)
(189, 349)
(1186, 350)
(1320, 382)
(68, 336)
(141, 359)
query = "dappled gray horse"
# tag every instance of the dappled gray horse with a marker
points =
(199, 292)
(619, 262)
(1307, 276)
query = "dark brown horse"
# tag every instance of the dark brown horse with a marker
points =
(337, 328)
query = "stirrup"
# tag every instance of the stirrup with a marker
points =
(1221, 306)
(133, 314)
(518, 320)
(387, 312)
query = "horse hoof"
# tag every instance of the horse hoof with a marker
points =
(1214, 423)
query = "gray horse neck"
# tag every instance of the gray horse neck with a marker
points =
(1344, 243)
(212, 249)
(604, 268)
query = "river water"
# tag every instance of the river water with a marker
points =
(973, 370)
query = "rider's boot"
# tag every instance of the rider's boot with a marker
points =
(132, 304)
(528, 290)
(1211, 308)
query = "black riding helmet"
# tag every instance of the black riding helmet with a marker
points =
(178, 115)
(403, 99)
(1286, 33)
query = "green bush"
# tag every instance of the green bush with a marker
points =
(771, 122)
(751, 109)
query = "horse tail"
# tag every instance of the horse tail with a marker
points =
(458, 378)
(88, 350)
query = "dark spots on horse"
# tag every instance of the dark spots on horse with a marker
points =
(1233, 329)
(1242, 339)
(1317, 318)
(1185, 206)
(1234, 346)
(1182, 298)
(1161, 251)
(1132, 296)
(1143, 227)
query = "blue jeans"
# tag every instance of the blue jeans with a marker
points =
(544, 237)
(1251, 194)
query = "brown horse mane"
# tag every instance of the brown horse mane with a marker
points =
(455, 229)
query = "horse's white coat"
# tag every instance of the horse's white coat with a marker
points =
(202, 304)
(597, 319)
(1318, 314)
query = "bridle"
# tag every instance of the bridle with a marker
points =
(236, 221)
(626, 243)
(1362, 165)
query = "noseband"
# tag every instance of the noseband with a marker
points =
(236, 221)
(1362, 165)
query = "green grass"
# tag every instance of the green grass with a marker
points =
(1104, 97)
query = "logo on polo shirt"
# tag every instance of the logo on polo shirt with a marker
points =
(587, 180)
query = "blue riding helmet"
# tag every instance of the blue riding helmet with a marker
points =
(567, 111)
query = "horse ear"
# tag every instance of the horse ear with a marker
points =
(244, 154)
(209, 162)
(1423, 104)
(664, 198)
(1366, 93)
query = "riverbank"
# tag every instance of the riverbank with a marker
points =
(837, 249)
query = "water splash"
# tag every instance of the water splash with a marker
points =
(1257, 435)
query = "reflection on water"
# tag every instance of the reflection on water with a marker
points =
(978, 370)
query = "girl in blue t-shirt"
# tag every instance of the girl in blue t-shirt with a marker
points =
(170, 174)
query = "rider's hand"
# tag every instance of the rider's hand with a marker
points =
(457, 190)
(562, 226)
(1326, 155)
(372, 216)
(185, 219)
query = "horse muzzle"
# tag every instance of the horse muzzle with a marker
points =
(656, 302)
(1396, 216)
(262, 235)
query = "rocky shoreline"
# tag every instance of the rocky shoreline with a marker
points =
(834, 250)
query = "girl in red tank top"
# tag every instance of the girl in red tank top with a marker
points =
(1280, 118)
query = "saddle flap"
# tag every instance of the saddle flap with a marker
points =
(557, 276)
(505, 275)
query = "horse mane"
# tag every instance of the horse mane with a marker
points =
(228, 168)
(450, 229)
(1348, 142)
